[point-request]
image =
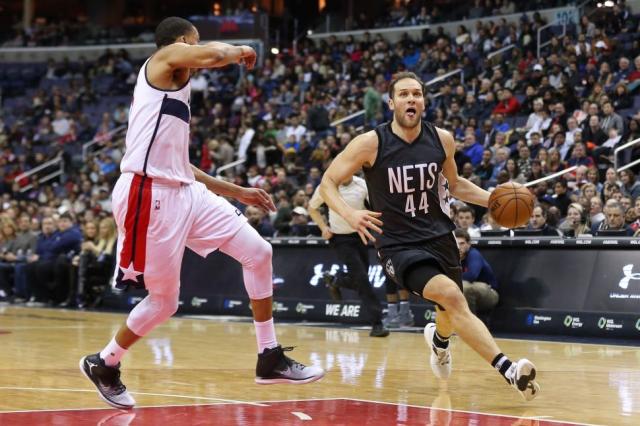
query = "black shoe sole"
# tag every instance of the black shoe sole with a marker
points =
(525, 379)
(284, 380)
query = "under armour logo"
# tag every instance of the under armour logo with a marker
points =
(627, 270)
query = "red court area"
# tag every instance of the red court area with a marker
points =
(334, 412)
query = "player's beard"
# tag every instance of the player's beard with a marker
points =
(405, 122)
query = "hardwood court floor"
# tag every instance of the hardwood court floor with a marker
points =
(201, 372)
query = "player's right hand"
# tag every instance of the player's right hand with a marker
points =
(327, 234)
(248, 57)
(363, 221)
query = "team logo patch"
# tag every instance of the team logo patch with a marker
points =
(388, 266)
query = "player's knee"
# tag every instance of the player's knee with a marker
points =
(172, 305)
(451, 297)
(469, 291)
(166, 305)
(262, 253)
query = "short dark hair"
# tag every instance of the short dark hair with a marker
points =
(466, 209)
(170, 29)
(461, 233)
(543, 209)
(400, 76)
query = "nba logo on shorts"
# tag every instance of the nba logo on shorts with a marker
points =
(157, 205)
(388, 266)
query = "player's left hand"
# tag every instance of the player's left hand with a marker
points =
(256, 197)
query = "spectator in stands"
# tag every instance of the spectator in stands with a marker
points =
(560, 145)
(595, 211)
(485, 169)
(621, 99)
(592, 134)
(16, 252)
(472, 149)
(7, 245)
(257, 218)
(48, 272)
(318, 116)
(508, 104)
(535, 144)
(514, 174)
(614, 220)
(579, 156)
(560, 198)
(635, 225)
(576, 222)
(536, 118)
(630, 186)
(554, 162)
(538, 222)
(25, 272)
(478, 280)
(626, 203)
(299, 225)
(465, 219)
(95, 265)
(611, 119)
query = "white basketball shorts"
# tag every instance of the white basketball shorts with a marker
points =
(157, 220)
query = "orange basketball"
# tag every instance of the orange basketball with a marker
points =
(511, 205)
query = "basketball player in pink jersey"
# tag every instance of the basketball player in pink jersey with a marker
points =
(161, 204)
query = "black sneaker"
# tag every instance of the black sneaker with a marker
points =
(275, 367)
(379, 330)
(107, 381)
(330, 283)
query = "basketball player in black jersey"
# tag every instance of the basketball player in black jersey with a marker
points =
(411, 173)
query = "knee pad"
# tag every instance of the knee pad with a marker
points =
(152, 311)
(254, 253)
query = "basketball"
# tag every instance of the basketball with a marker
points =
(511, 205)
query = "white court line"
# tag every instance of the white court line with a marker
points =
(469, 412)
(259, 403)
(301, 415)
(39, 327)
(563, 343)
(107, 408)
(231, 401)
(262, 403)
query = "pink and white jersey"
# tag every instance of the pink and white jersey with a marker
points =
(158, 134)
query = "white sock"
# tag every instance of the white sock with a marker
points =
(404, 306)
(265, 335)
(112, 353)
(392, 309)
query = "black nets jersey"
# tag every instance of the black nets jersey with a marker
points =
(407, 186)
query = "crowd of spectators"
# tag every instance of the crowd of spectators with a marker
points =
(515, 119)
(421, 12)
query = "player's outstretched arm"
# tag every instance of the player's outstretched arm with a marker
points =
(459, 187)
(361, 151)
(314, 204)
(249, 196)
(210, 55)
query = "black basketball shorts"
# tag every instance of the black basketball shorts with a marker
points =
(412, 265)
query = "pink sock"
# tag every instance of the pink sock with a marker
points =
(265, 335)
(112, 353)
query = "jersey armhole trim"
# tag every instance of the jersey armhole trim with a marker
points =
(157, 88)
(435, 130)
(377, 130)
